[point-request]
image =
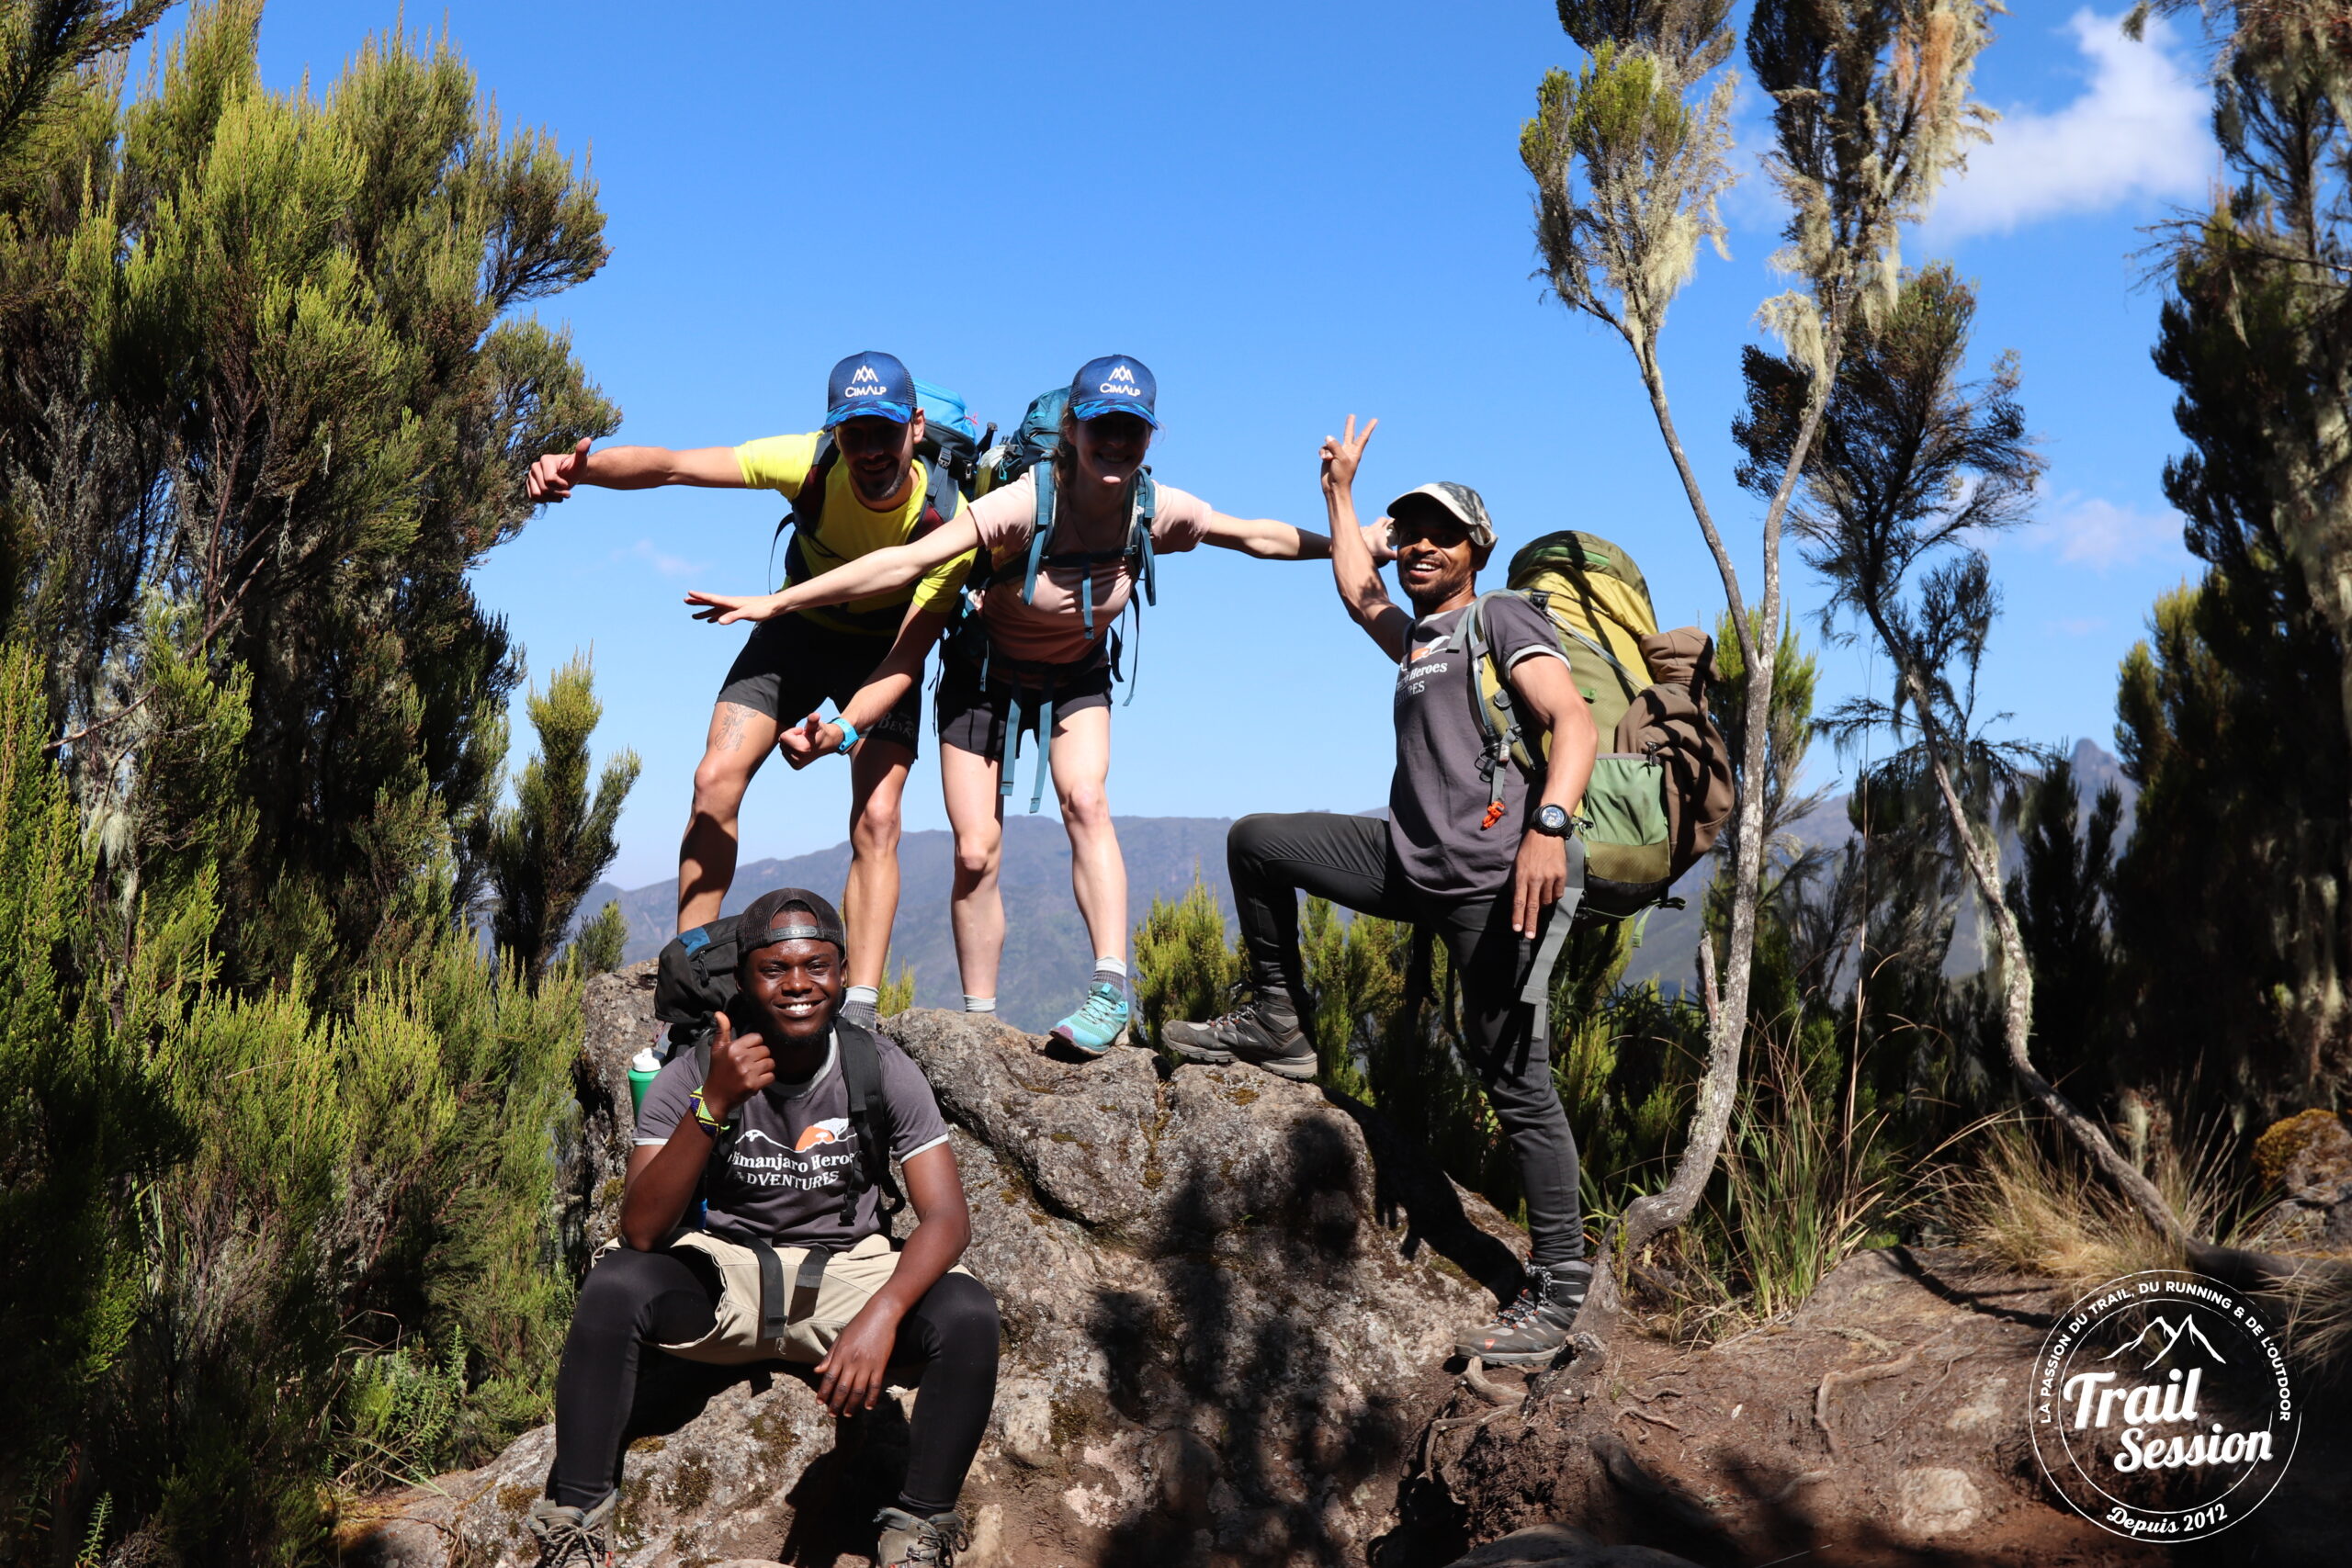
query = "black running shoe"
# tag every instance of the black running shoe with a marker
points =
(1531, 1329)
(1260, 1034)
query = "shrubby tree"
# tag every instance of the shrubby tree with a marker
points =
(265, 370)
(548, 848)
(1871, 107)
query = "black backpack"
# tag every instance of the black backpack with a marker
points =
(695, 982)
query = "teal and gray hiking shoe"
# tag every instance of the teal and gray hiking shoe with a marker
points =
(1261, 1034)
(573, 1538)
(1099, 1022)
(909, 1541)
(1531, 1329)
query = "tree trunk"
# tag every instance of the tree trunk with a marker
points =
(2017, 1013)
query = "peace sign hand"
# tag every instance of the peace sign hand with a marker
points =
(1343, 454)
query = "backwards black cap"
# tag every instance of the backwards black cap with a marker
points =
(770, 919)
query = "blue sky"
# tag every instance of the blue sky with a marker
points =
(1290, 213)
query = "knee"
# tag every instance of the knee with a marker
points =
(964, 1315)
(875, 831)
(977, 855)
(719, 782)
(1087, 808)
(615, 1292)
(1247, 840)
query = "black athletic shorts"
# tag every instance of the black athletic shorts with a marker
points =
(972, 720)
(791, 666)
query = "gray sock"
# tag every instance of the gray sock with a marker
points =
(978, 1004)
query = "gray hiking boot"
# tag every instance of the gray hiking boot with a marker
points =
(1531, 1329)
(909, 1541)
(573, 1538)
(1264, 1035)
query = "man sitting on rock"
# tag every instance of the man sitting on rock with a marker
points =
(788, 1258)
(1486, 879)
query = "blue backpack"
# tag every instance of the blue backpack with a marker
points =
(950, 451)
(1030, 450)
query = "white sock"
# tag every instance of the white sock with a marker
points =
(978, 1004)
(870, 995)
(1110, 968)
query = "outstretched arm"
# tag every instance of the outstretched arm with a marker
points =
(876, 572)
(632, 468)
(1271, 540)
(1354, 568)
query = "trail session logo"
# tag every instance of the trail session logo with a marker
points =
(2162, 1409)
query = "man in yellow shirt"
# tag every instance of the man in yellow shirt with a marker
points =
(855, 487)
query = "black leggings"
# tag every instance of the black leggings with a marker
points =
(1348, 860)
(633, 1298)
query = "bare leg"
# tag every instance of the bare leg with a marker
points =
(1098, 874)
(741, 738)
(878, 772)
(975, 812)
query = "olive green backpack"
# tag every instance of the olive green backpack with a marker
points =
(1662, 789)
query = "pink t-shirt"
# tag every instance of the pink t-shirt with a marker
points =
(1052, 630)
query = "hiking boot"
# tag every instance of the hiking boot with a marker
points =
(909, 1541)
(1099, 1022)
(865, 1015)
(1531, 1329)
(573, 1538)
(1256, 1032)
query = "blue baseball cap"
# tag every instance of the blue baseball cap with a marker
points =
(873, 385)
(1116, 383)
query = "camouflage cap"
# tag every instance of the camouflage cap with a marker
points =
(1459, 501)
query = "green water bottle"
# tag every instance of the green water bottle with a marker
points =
(643, 1068)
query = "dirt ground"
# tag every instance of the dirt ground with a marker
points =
(1885, 1423)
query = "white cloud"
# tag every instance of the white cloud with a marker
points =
(2099, 534)
(666, 564)
(2140, 131)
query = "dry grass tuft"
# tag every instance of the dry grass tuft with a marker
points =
(2044, 1212)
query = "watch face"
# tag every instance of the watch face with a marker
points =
(1552, 819)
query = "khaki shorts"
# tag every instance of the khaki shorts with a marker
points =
(852, 1278)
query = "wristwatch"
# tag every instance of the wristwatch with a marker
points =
(1552, 820)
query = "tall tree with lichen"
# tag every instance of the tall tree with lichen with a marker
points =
(1911, 465)
(1872, 106)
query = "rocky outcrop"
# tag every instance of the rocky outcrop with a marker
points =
(2307, 1161)
(1224, 1296)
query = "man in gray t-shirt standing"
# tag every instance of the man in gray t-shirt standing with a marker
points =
(1483, 872)
(751, 1232)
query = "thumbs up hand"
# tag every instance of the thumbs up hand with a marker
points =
(552, 476)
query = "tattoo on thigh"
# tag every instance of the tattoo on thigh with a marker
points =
(730, 726)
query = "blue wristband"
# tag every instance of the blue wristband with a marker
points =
(848, 736)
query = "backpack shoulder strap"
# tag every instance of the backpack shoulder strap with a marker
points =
(1044, 475)
(809, 507)
(1147, 510)
(1500, 737)
(868, 1114)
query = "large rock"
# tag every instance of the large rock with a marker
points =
(1224, 1296)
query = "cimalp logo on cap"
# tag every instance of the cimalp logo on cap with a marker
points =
(1121, 379)
(865, 384)
(2163, 1407)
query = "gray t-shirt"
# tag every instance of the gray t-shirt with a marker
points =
(1436, 801)
(780, 1178)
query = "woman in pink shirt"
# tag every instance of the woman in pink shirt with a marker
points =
(1042, 656)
